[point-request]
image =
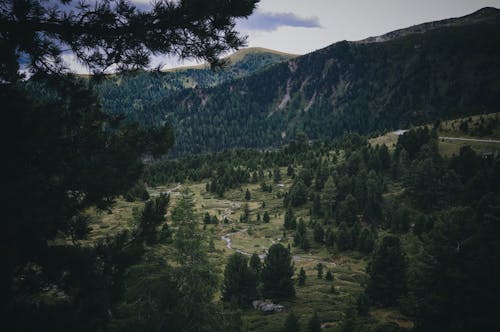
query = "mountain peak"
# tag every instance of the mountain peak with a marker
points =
(238, 56)
(241, 53)
(483, 15)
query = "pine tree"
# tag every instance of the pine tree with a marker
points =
(266, 217)
(290, 220)
(188, 240)
(349, 322)
(239, 282)
(387, 271)
(316, 207)
(319, 268)
(330, 238)
(206, 219)
(291, 323)
(255, 265)
(245, 216)
(277, 175)
(347, 210)
(298, 193)
(277, 273)
(329, 198)
(301, 279)
(300, 238)
(72, 157)
(318, 233)
(96, 33)
(247, 195)
(329, 276)
(314, 325)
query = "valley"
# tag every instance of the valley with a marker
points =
(354, 188)
(234, 233)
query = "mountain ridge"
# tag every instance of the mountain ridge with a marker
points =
(235, 57)
(483, 15)
(447, 71)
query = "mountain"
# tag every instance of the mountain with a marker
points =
(133, 94)
(484, 15)
(408, 77)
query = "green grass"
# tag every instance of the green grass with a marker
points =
(450, 128)
(348, 267)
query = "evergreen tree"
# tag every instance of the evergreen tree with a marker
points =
(363, 304)
(291, 323)
(344, 239)
(152, 215)
(72, 157)
(301, 279)
(349, 322)
(96, 31)
(245, 216)
(298, 193)
(266, 217)
(277, 273)
(255, 265)
(206, 219)
(458, 289)
(300, 238)
(290, 220)
(165, 233)
(330, 238)
(366, 241)
(329, 275)
(277, 175)
(329, 198)
(374, 191)
(188, 240)
(247, 195)
(316, 207)
(318, 233)
(319, 268)
(239, 282)
(387, 271)
(347, 211)
(314, 325)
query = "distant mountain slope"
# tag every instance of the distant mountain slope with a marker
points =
(418, 75)
(132, 94)
(484, 15)
(265, 55)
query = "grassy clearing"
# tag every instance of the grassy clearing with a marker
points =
(328, 298)
(388, 139)
(451, 128)
(109, 223)
(447, 148)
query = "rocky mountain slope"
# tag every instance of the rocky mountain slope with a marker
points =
(411, 76)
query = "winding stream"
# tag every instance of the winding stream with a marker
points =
(296, 258)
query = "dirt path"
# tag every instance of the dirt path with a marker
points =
(296, 258)
(469, 139)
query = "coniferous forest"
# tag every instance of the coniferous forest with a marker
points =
(263, 191)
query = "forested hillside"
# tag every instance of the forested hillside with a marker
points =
(381, 240)
(438, 71)
(134, 94)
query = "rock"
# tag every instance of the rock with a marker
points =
(267, 306)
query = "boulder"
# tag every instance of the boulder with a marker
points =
(267, 306)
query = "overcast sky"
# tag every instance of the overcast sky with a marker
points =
(302, 26)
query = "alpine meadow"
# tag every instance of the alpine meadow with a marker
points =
(352, 188)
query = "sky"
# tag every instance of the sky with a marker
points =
(303, 26)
